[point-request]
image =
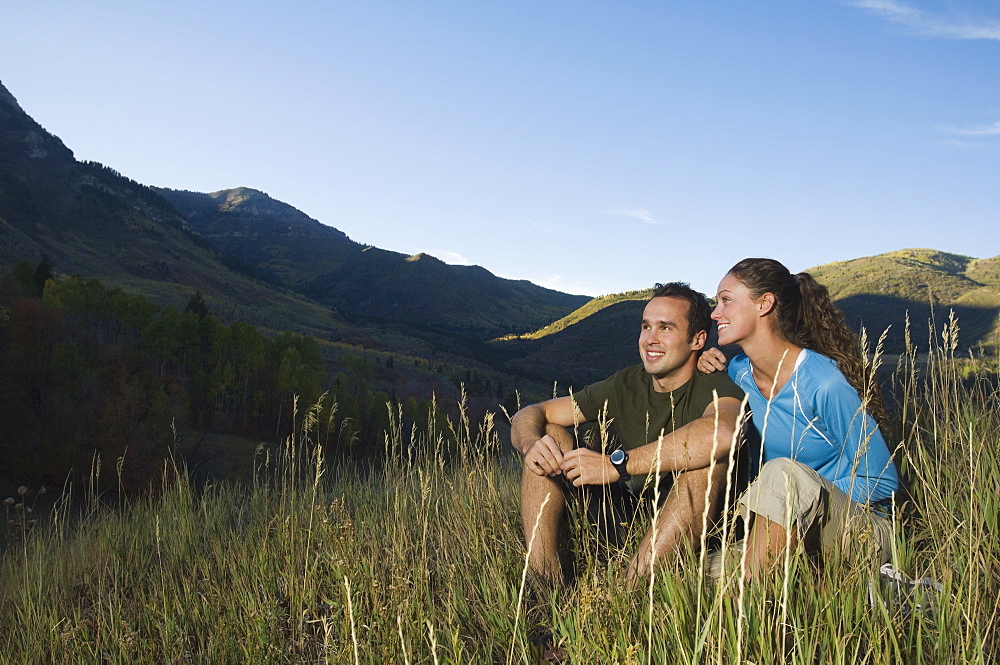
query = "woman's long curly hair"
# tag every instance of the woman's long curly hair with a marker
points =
(807, 317)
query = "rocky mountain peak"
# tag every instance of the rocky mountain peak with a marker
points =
(22, 137)
(8, 99)
(249, 201)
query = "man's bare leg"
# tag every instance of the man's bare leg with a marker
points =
(679, 520)
(543, 542)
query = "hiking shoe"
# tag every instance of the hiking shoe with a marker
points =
(898, 590)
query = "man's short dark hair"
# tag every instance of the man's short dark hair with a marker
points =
(699, 311)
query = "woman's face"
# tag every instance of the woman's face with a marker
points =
(737, 313)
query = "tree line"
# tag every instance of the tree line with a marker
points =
(89, 372)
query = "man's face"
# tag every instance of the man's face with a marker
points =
(664, 346)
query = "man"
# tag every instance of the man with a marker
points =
(668, 419)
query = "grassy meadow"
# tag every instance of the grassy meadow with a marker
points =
(420, 560)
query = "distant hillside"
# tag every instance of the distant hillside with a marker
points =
(588, 310)
(878, 291)
(911, 274)
(584, 346)
(261, 261)
(254, 258)
(271, 235)
(587, 350)
(362, 282)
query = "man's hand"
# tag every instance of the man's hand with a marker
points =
(544, 458)
(583, 466)
(712, 360)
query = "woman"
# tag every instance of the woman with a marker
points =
(826, 468)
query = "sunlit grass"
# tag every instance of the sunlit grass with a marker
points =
(421, 560)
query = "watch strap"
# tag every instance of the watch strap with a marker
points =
(622, 465)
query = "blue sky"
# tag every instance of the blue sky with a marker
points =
(593, 147)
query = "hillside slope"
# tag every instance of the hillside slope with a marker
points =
(246, 253)
(253, 258)
(261, 231)
(878, 292)
(585, 351)
(363, 282)
(90, 220)
(590, 309)
(874, 292)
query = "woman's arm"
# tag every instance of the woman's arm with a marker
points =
(865, 470)
(712, 360)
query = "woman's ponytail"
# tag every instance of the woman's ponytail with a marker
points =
(807, 317)
(829, 334)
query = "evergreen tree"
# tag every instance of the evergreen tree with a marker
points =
(43, 273)
(197, 305)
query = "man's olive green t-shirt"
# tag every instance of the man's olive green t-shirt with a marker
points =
(638, 413)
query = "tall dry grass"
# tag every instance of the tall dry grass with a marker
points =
(421, 561)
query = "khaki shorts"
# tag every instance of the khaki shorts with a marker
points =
(825, 519)
(794, 495)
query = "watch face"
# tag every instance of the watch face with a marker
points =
(618, 456)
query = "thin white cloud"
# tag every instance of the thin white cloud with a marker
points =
(641, 214)
(547, 228)
(982, 130)
(556, 282)
(565, 284)
(954, 143)
(926, 24)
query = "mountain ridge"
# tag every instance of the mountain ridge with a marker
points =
(263, 261)
(87, 219)
(90, 219)
(362, 281)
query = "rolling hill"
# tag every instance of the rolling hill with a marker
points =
(879, 291)
(875, 292)
(92, 221)
(587, 350)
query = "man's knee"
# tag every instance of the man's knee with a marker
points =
(562, 436)
(701, 483)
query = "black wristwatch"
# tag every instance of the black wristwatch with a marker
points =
(619, 460)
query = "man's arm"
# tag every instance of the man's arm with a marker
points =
(529, 433)
(693, 446)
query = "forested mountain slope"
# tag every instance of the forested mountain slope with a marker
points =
(90, 220)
